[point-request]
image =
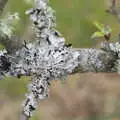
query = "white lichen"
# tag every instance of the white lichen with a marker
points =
(116, 49)
(47, 59)
(6, 25)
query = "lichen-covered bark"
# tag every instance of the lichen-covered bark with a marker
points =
(95, 60)
(89, 60)
(50, 57)
(11, 44)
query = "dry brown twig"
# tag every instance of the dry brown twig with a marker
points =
(113, 9)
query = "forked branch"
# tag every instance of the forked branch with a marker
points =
(50, 58)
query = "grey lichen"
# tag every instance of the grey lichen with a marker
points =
(6, 25)
(95, 60)
(7, 30)
(47, 59)
(51, 58)
(116, 49)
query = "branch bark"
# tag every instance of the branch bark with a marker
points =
(50, 58)
(54, 59)
(2, 5)
(113, 10)
(95, 60)
(12, 44)
(23, 117)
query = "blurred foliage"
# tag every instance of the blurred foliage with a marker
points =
(20, 7)
(74, 19)
(14, 88)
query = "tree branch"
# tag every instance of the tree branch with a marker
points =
(23, 117)
(51, 58)
(113, 10)
(95, 60)
(2, 5)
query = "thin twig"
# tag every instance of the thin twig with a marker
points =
(2, 5)
(23, 117)
(113, 10)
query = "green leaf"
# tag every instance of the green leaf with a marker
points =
(99, 25)
(106, 30)
(97, 34)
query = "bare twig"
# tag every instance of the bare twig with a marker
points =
(113, 10)
(2, 5)
(23, 117)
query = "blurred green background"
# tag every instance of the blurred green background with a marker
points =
(75, 21)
